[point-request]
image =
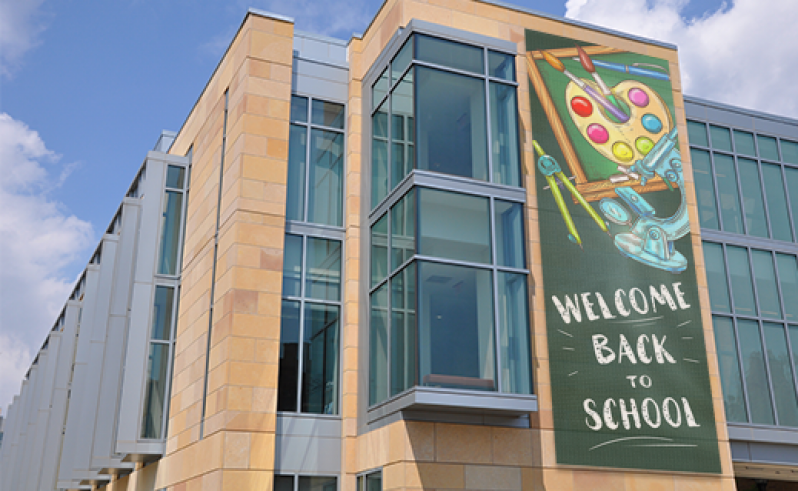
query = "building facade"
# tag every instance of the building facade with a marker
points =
(475, 247)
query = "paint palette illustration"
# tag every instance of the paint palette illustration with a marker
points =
(622, 142)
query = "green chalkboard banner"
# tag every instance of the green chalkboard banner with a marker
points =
(628, 363)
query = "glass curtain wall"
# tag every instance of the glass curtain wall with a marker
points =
(305, 483)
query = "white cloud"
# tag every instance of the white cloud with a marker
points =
(20, 26)
(38, 239)
(741, 54)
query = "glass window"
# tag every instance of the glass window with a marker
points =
(175, 176)
(328, 114)
(516, 366)
(756, 380)
(379, 155)
(726, 345)
(292, 266)
(721, 139)
(452, 124)
(380, 89)
(454, 226)
(323, 274)
(755, 220)
(456, 338)
(402, 130)
(449, 53)
(283, 483)
(325, 200)
(501, 65)
(370, 482)
(792, 192)
(768, 148)
(789, 151)
(170, 232)
(402, 60)
(777, 202)
(744, 143)
(509, 225)
(781, 374)
(742, 289)
(403, 230)
(727, 192)
(305, 483)
(705, 189)
(504, 134)
(295, 187)
(299, 109)
(767, 293)
(320, 359)
(697, 133)
(403, 330)
(716, 277)
(155, 391)
(788, 279)
(289, 357)
(162, 313)
(379, 250)
(378, 346)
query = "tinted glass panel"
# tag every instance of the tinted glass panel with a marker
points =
(788, 279)
(781, 375)
(721, 139)
(744, 143)
(374, 482)
(379, 156)
(793, 330)
(170, 233)
(323, 273)
(328, 114)
(288, 376)
(325, 200)
(726, 345)
(320, 360)
(755, 221)
(175, 177)
(716, 277)
(378, 346)
(449, 53)
(509, 224)
(317, 484)
(380, 89)
(789, 151)
(295, 188)
(456, 338)
(742, 289)
(403, 330)
(777, 202)
(501, 65)
(452, 124)
(704, 189)
(504, 134)
(403, 230)
(726, 178)
(792, 192)
(283, 483)
(514, 347)
(697, 133)
(402, 130)
(756, 380)
(768, 148)
(299, 109)
(454, 226)
(379, 250)
(768, 294)
(292, 266)
(401, 60)
(155, 391)
(162, 313)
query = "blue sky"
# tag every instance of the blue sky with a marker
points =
(87, 86)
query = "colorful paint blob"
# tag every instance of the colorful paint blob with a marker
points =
(651, 123)
(638, 97)
(581, 106)
(623, 152)
(644, 144)
(598, 133)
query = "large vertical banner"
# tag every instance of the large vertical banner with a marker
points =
(629, 376)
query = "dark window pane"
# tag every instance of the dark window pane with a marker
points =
(792, 192)
(742, 288)
(402, 127)
(768, 294)
(456, 338)
(379, 250)
(753, 203)
(697, 133)
(756, 380)
(175, 176)
(704, 189)
(501, 65)
(323, 269)
(317, 484)
(744, 143)
(727, 192)
(781, 375)
(292, 266)
(295, 187)
(777, 202)
(403, 330)
(401, 60)
(509, 226)
(283, 483)
(379, 156)
(162, 313)
(716, 277)
(788, 279)
(454, 226)
(320, 360)
(403, 229)
(170, 232)
(378, 346)
(726, 345)
(288, 377)
(504, 134)
(380, 89)
(452, 124)
(299, 109)
(325, 200)
(514, 347)
(328, 114)
(374, 482)
(793, 329)
(768, 148)
(155, 391)
(721, 139)
(449, 53)
(789, 151)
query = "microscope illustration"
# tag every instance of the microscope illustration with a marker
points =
(651, 239)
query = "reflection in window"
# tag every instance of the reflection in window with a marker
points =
(705, 189)
(454, 226)
(781, 374)
(325, 176)
(305, 483)
(370, 482)
(726, 178)
(741, 283)
(170, 232)
(777, 202)
(721, 139)
(697, 133)
(156, 389)
(716, 277)
(402, 129)
(755, 221)
(726, 345)
(756, 379)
